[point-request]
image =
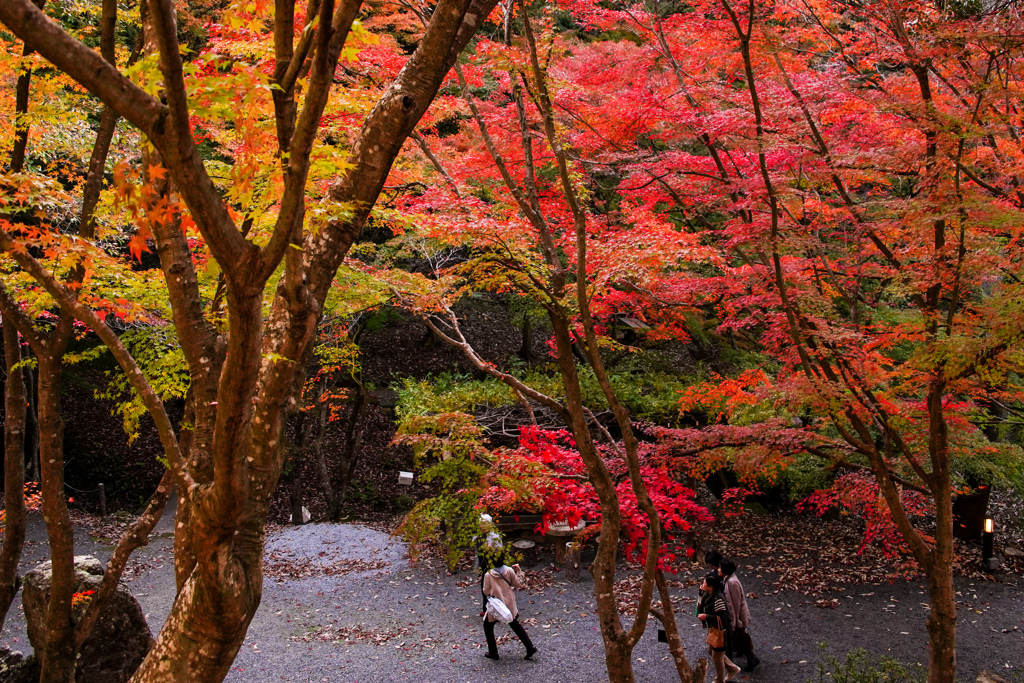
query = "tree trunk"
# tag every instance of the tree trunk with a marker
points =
(618, 653)
(322, 412)
(526, 350)
(675, 642)
(231, 470)
(353, 442)
(58, 657)
(572, 562)
(297, 461)
(941, 594)
(208, 623)
(941, 626)
(14, 471)
(184, 552)
(618, 658)
(31, 428)
(297, 487)
(321, 465)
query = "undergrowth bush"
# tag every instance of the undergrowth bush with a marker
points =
(649, 396)
(859, 667)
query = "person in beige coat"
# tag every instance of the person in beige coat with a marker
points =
(739, 641)
(500, 582)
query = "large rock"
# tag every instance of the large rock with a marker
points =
(990, 677)
(17, 668)
(119, 641)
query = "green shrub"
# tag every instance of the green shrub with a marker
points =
(860, 668)
(804, 475)
(652, 396)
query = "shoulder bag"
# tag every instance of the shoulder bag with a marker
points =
(716, 636)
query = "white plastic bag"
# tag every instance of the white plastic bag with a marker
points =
(498, 610)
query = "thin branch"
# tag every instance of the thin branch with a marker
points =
(178, 149)
(846, 464)
(421, 141)
(12, 312)
(135, 536)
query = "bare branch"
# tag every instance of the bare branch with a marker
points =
(135, 536)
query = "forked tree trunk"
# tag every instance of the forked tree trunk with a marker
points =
(207, 625)
(229, 473)
(618, 652)
(14, 470)
(618, 642)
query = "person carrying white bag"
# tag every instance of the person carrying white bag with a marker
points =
(500, 583)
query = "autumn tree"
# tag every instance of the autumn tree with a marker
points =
(334, 396)
(854, 163)
(866, 264)
(243, 362)
(853, 169)
(539, 240)
(48, 345)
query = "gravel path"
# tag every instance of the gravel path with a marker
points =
(374, 617)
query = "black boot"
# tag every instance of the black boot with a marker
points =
(752, 662)
(518, 629)
(492, 644)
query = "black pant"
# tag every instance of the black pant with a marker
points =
(735, 648)
(517, 628)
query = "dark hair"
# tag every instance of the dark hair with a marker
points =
(728, 567)
(713, 557)
(494, 559)
(715, 581)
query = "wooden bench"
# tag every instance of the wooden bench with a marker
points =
(518, 522)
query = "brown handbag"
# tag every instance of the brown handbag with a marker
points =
(716, 637)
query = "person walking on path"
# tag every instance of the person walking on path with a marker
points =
(713, 613)
(500, 582)
(738, 640)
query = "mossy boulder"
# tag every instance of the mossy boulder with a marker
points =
(17, 668)
(119, 641)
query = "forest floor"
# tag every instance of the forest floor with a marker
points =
(342, 603)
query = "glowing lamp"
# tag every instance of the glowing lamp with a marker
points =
(988, 555)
